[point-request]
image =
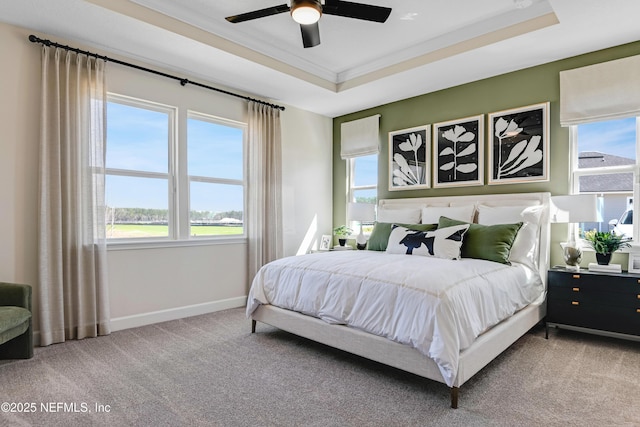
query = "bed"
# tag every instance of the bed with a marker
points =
(430, 314)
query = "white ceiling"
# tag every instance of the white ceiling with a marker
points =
(424, 45)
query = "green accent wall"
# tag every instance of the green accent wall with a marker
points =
(512, 90)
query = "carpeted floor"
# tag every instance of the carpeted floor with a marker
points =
(210, 371)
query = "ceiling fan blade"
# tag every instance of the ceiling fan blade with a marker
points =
(348, 9)
(310, 35)
(274, 10)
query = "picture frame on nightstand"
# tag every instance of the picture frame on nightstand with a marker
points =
(634, 262)
(325, 242)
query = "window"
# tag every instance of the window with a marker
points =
(139, 176)
(363, 185)
(605, 163)
(161, 187)
(216, 176)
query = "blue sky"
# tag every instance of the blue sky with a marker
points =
(617, 137)
(137, 139)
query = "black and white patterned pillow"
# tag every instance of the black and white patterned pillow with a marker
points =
(441, 243)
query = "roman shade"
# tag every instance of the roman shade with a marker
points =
(360, 137)
(606, 91)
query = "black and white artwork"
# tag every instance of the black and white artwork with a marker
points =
(458, 152)
(408, 163)
(519, 145)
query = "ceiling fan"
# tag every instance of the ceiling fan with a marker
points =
(308, 12)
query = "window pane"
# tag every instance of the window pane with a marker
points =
(137, 138)
(605, 144)
(214, 150)
(608, 143)
(216, 209)
(366, 196)
(365, 170)
(136, 207)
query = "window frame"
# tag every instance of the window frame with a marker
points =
(576, 173)
(352, 188)
(178, 179)
(188, 178)
(172, 113)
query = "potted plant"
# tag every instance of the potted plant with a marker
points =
(342, 232)
(605, 243)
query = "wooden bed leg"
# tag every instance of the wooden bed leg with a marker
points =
(454, 397)
(253, 326)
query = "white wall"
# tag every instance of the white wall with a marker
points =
(154, 284)
(307, 179)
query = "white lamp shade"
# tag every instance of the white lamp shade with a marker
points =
(363, 212)
(574, 208)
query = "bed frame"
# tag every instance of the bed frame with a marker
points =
(484, 349)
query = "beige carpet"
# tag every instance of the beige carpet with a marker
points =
(210, 371)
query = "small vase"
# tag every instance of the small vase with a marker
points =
(603, 259)
(342, 242)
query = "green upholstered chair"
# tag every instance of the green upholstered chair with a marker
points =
(16, 329)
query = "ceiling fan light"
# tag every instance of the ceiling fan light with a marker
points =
(306, 12)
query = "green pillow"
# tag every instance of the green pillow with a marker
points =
(381, 231)
(489, 242)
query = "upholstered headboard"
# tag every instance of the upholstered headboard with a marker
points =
(491, 200)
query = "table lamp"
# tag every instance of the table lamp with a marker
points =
(573, 209)
(361, 212)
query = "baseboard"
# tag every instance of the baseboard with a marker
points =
(143, 319)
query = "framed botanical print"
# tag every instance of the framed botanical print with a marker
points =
(458, 152)
(408, 158)
(519, 145)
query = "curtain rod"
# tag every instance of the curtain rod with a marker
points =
(183, 82)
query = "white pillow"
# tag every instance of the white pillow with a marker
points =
(441, 243)
(525, 246)
(405, 216)
(432, 214)
(492, 215)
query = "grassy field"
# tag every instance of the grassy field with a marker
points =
(132, 231)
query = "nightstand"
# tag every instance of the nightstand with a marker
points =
(601, 303)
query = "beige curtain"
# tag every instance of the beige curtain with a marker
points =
(264, 198)
(72, 250)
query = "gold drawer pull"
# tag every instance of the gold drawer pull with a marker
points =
(637, 310)
(577, 303)
(638, 296)
(578, 290)
(577, 276)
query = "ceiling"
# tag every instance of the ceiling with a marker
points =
(424, 46)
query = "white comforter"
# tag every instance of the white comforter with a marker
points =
(435, 305)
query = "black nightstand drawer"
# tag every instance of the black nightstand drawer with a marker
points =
(587, 296)
(596, 281)
(624, 321)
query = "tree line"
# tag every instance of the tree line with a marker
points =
(133, 215)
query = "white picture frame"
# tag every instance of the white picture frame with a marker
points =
(634, 263)
(458, 152)
(325, 242)
(519, 145)
(409, 162)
